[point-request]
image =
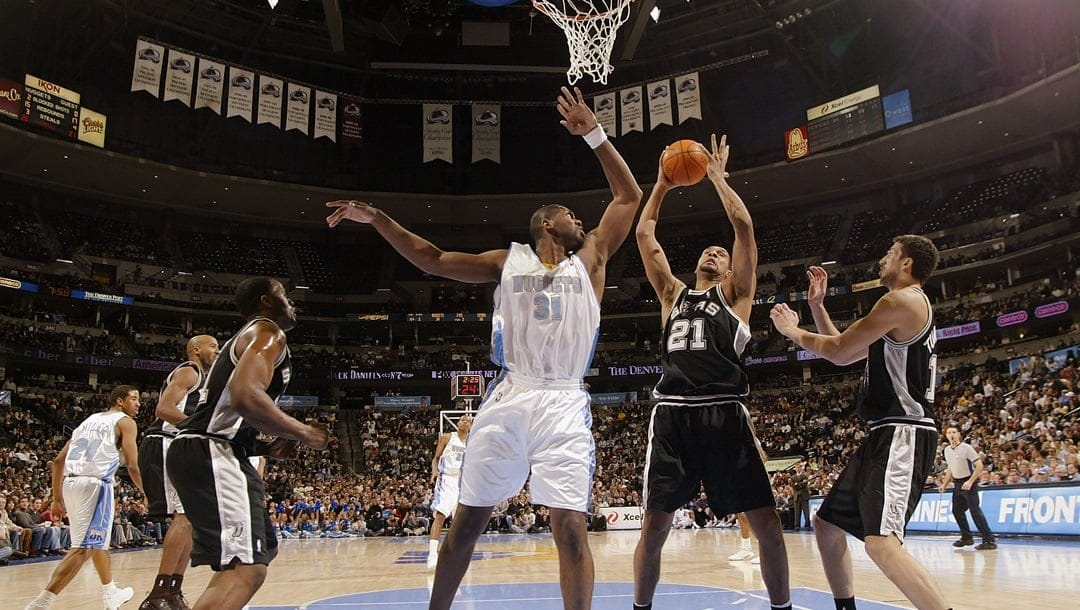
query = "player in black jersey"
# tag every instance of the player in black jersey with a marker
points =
(880, 488)
(700, 433)
(179, 398)
(208, 460)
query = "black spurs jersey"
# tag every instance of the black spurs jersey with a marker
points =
(216, 417)
(898, 385)
(702, 350)
(188, 404)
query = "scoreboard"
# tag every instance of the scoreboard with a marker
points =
(51, 106)
(467, 385)
(845, 119)
(861, 120)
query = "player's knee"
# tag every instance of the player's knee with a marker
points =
(879, 548)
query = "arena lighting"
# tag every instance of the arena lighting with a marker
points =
(828, 263)
(655, 14)
(299, 287)
(272, 3)
(64, 260)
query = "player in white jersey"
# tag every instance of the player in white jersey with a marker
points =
(82, 487)
(446, 475)
(535, 418)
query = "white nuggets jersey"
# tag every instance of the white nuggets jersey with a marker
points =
(93, 451)
(546, 321)
(452, 455)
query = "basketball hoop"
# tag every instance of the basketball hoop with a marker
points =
(590, 27)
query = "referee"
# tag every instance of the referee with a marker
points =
(964, 469)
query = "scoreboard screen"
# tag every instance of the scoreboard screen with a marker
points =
(51, 106)
(467, 386)
(843, 126)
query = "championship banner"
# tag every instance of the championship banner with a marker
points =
(688, 96)
(631, 110)
(351, 128)
(487, 133)
(659, 104)
(11, 98)
(178, 77)
(796, 143)
(438, 132)
(604, 109)
(298, 110)
(269, 108)
(211, 85)
(241, 83)
(326, 115)
(91, 127)
(51, 106)
(146, 75)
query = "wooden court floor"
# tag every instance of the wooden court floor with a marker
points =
(521, 570)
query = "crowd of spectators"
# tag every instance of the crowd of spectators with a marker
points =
(1024, 423)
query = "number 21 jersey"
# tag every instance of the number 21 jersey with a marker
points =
(702, 350)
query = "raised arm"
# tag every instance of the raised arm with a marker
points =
(128, 431)
(657, 268)
(743, 283)
(460, 266)
(819, 284)
(183, 382)
(261, 346)
(615, 224)
(851, 345)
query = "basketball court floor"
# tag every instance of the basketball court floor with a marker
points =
(521, 572)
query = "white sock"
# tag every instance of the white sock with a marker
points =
(744, 545)
(433, 546)
(46, 597)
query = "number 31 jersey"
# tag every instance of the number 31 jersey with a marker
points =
(546, 321)
(702, 350)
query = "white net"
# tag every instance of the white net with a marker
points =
(590, 27)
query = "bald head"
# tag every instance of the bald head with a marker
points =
(202, 349)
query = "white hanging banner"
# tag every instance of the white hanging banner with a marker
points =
(298, 111)
(631, 110)
(210, 85)
(659, 104)
(604, 109)
(486, 132)
(179, 77)
(326, 115)
(241, 83)
(689, 97)
(269, 108)
(438, 132)
(146, 76)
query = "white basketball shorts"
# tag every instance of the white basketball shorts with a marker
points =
(529, 426)
(446, 494)
(89, 504)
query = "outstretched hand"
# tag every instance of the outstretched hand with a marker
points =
(578, 119)
(785, 319)
(356, 211)
(819, 284)
(718, 159)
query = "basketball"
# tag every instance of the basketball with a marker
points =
(685, 162)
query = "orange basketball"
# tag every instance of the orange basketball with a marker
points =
(685, 162)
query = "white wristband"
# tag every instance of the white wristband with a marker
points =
(595, 137)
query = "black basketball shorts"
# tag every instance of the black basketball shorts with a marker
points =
(708, 445)
(879, 489)
(225, 501)
(152, 468)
